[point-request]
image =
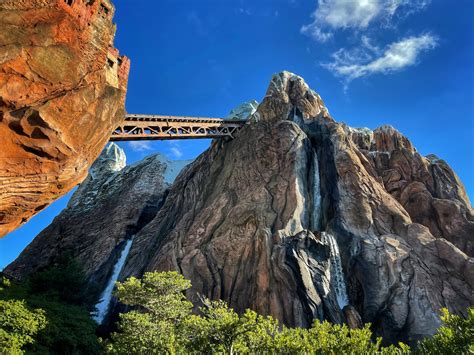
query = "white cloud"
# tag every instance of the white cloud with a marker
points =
(369, 59)
(332, 15)
(177, 153)
(175, 149)
(140, 146)
(244, 11)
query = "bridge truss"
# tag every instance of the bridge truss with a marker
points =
(154, 127)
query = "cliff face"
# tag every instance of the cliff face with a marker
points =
(305, 218)
(62, 91)
(108, 208)
(426, 187)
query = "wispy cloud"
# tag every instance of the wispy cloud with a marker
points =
(369, 59)
(175, 149)
(332, 15)
(140, 146)
(244, 11)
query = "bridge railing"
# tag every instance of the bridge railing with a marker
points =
(156, 127)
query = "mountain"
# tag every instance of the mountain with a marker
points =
(62, 93)
(299, 217)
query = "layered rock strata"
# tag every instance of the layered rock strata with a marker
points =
(62, 92)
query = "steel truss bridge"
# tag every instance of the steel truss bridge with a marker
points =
(154, 127)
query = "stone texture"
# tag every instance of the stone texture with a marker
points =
(62, 91)
(248, 222)
(427, 188)
(107, 209)
(353, 319)
(243, 111)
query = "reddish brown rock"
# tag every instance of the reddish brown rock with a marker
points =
(426, 187)
(62, 92)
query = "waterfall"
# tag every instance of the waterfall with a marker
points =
(316, 201)
(102, 307)
(336, 274)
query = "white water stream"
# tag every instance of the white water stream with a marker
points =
(103, 305)
(316, 212)
(337, 275)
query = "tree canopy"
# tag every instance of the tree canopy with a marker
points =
(161, 321)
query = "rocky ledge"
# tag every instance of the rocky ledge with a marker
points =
(62, 92)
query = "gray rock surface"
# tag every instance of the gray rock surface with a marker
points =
(243, 111)
(108, 208)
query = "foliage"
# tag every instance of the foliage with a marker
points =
(44, 320)
(161, 322)
(4, 283)
(64, 281)
(219, 329)
(154, 328)
(18, 325)
(455, 336)
(160, 294)
(59, 291)
(140, 334)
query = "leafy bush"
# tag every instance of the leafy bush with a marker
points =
(52, 319)
(455, 336)
(18, 325)
(154, 328)
(64, 281)
(161, 322)
(60, 292)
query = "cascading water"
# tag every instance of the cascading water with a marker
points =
(316, 203)
(103, 306)
(337, 276)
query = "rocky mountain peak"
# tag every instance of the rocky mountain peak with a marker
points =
(243, 111)
(111, 159)
(388, 139)
(299, 217)
(288, 96)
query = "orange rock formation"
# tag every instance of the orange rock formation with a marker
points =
(62, 92)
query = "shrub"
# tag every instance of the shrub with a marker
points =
(455, 336)
(60, 292)
(18, 325)
(161, 322)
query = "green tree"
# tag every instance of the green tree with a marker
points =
(64, 281)
(60, 291)
(161, 322)
(455, 336)
(18, 325)
(154, 326)
(219, 329)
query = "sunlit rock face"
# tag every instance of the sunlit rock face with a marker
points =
(62, 92)
(246, 223)
(243, 111)
(427, 187)
(296, 218)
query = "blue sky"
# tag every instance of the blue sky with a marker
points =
(408, 63)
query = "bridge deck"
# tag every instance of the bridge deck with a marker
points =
(155, 127)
